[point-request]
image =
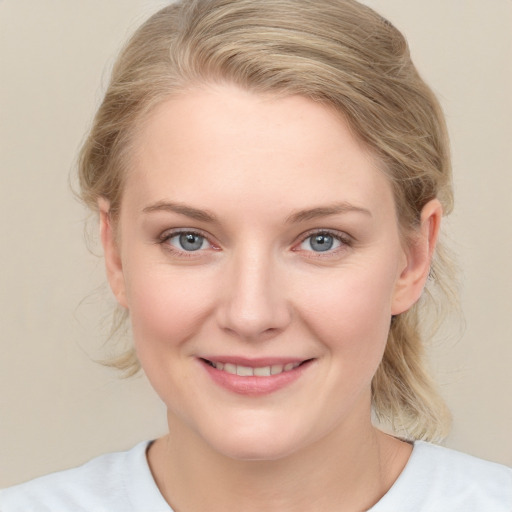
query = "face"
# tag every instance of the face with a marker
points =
(260, 259)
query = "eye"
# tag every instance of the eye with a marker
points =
(188, 241)
(321, 242)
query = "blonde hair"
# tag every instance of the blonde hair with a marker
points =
(336, 52)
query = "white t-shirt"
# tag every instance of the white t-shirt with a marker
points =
(435, 479)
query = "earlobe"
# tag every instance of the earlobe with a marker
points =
(413, 277)
(113, 262)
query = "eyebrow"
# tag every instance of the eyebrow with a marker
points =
(294, 218)
(325, 211)
(182, 209)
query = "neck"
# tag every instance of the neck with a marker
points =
(348, 470)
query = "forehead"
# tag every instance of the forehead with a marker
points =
(223, 143)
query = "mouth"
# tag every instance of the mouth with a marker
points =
(255, 376)
(254, 371)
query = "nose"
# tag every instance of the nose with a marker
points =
(254, 304)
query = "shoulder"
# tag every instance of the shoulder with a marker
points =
(103, 484)
(466, 465)
(438, 479)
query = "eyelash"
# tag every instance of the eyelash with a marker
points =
(345, 240)
(168, 235)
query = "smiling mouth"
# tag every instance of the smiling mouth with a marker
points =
(249, 371)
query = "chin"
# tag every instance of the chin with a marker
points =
(256, 442)
(242, 450)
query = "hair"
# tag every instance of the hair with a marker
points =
(339, 53)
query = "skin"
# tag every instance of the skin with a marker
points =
(257, 288)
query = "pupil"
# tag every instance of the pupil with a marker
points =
(322, 243)
(191, 242)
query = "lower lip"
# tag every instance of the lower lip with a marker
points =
(254, 386)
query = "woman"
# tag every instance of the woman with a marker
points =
(270, 178)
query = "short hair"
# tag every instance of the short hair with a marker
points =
(340, 54)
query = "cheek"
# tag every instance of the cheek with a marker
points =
(166, 307)
(351, 311)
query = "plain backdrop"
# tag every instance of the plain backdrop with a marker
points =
(58, 408)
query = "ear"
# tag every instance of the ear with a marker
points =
(113, 262)
(413, 277)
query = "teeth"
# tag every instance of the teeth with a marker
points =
(244, 371)
(247, 371)
(264, 371)
(230, 368)
(276, 368)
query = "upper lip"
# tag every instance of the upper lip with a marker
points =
(254, 362)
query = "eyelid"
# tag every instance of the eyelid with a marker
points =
(169, 233)
(345, 239)
(172, 232)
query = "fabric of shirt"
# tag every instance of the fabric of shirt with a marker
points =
(435, 479)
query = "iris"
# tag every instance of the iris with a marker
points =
(321, 242)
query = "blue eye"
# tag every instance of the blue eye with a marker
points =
(320, 242)
(188, 241)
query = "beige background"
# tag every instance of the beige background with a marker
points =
(57, 407)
